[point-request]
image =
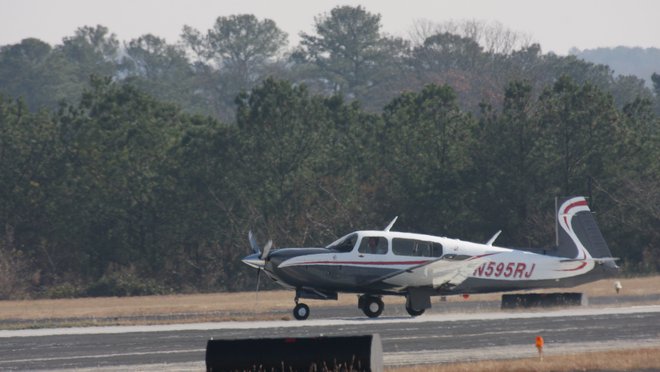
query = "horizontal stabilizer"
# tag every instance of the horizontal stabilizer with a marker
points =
(597, 260)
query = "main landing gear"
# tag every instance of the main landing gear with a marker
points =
(414, 312)
(411, 309)
(301, 311)
(371, 306)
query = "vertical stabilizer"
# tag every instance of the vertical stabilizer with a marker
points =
(578, 235)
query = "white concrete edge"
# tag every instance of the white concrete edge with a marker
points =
(436, 318)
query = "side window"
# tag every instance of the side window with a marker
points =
(416, 248)
(423, 249)
(373, 245)
(403, 247)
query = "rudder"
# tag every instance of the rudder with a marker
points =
(578, 235)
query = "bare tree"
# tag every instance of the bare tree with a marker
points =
(492, 36)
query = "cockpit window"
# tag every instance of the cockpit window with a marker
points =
(436, 250)
(373, 245)
(416, 248)
(344, 245)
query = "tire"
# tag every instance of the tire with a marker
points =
(372, 306)
(414, 312)
(301, 311)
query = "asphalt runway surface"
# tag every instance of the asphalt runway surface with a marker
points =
(437, 337)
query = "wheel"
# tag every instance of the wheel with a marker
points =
(414, 312)
(372, 306)
(301, 311)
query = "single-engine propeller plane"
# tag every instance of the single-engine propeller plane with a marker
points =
(375, 263)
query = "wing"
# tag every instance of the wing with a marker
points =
(448, 269)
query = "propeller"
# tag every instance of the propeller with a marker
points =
(255, 247)
(266, 252)
(253, 242)
(259, 263)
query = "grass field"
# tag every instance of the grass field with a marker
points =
(226, 306)
(615, 360)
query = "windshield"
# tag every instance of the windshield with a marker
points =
(344, 244)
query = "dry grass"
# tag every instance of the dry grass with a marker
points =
(631, 287)
(614, 360)
(239, 302)
(231, 306)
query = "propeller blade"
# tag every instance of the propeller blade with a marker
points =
(267, 248)
(256, 293)
(253, 243)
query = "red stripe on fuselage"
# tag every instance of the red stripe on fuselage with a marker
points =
(363, 262)
(382, 262)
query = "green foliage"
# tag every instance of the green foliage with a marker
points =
(112, 185)
(33, 71)
(578, 123)
(349, 55)
(160, 69)
(641, 62)
(93, 51)
(426, 153)
(655, 78)
(444, 52)
(233, 56)
(287, 137)
(123, 195)
(509, 163)
(64, 290)
(13, 273)
(123, 282)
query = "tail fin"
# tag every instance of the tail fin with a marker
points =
(578, 235)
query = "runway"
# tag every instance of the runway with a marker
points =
(432, 338)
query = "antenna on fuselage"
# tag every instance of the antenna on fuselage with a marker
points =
(492, 240)
(391, 224)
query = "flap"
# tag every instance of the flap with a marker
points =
(446, 269)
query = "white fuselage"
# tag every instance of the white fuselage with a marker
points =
(491, 263)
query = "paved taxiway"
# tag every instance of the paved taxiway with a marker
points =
(430, 338)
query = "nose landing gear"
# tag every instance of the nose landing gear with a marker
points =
(301, 311)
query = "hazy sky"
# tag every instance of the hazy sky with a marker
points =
(556, 24)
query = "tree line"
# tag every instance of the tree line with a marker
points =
(123, 186)
(347, 53)
(641, 62)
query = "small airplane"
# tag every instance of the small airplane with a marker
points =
(375, 263)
